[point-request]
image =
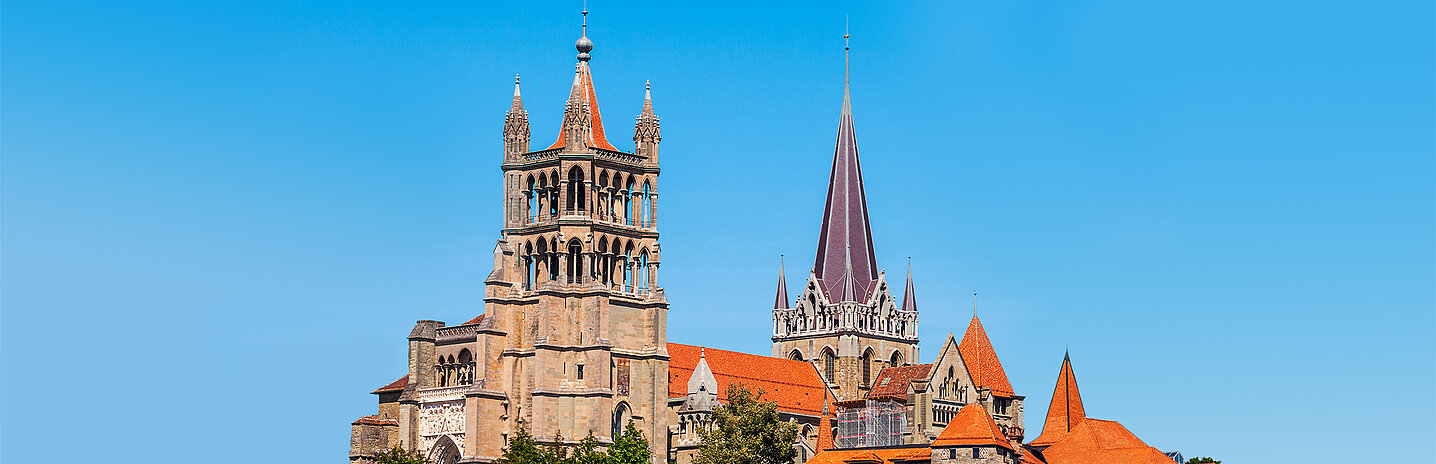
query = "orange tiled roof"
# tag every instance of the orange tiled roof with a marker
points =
(981, 360)
(586, 80)
(883, 455)
(394, 386)
(1095, 441)
(972, 426)
(794, 385)
(915, 454)
(893, 381)
(373, 419)
(1027, 456)
(1065, 411)
(474, 320)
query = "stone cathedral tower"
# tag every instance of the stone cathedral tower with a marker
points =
(573, 338)
(846, 321)
(579, 322)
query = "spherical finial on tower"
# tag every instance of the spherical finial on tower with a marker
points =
(583, 44)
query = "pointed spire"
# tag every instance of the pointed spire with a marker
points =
(909, 297)
(781, 301)
(516, 125)
(1066, 410)
(647, 99)
(845, 246)
(981, 359)
(645, 129)
(581, 115)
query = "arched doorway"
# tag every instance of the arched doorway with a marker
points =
(445, 451)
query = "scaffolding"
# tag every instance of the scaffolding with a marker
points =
(871, 422)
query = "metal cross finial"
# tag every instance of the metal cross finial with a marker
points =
(974, 304)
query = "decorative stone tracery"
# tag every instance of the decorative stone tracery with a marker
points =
(441, 419)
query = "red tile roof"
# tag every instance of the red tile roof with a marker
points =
(1096, 441)
(1027, 456)
(475, 320)
(915, 454)
(596, 120)
(893, 381)
(1065, 411)
(882, 455)
(794, 385)
(373, 419)
(397, 385)
(981, 360)
(972, 426)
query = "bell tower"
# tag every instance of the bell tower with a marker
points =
(575, 331)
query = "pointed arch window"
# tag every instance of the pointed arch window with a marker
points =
(829, 365)
(868, 368)
(647, 205)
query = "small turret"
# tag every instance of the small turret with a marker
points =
(645, 130)
(516, 126)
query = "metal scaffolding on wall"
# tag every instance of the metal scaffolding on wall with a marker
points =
(872, 422)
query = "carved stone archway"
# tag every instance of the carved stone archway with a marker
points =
(445, 451)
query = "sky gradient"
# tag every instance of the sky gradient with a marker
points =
(220, 222)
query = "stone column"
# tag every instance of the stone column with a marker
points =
(563, 198)
(653, 209)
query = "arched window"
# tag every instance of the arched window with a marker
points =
(620, 419)
(603, 261)
(643, 270)
(553, 197)
(829, 364)
(575, 190)
(531, 197)
(647, 205)
(528, 266)
(796, 355)
(628, 202)
(628, 269)
(575, 261)
(465, 367)
(896, 359)
(867, 367)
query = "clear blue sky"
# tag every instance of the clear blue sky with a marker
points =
(220, 222)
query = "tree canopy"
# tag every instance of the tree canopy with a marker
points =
(399, 455)
(628, 448)
(747, 430)
(1203, 461)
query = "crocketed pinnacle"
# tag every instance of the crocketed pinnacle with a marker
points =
(781, 301)
(909, 297)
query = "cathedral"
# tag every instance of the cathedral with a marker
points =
(572, 339)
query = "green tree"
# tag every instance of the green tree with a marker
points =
(629, 448)
(522, 449)
(399, 455)
(747, 430)
(1203, 461)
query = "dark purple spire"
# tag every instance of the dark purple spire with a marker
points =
(781, 301)
(846, 243)
(909, 298)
